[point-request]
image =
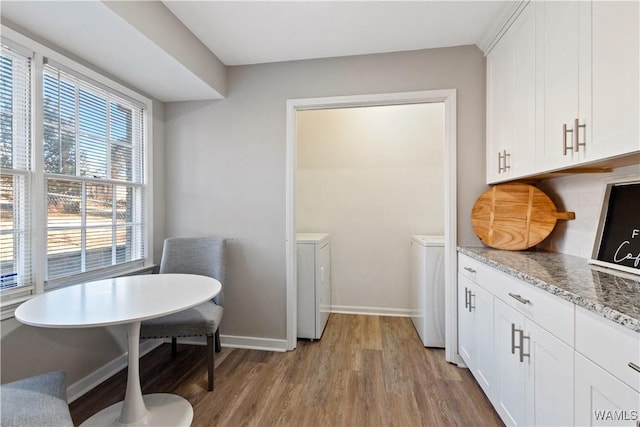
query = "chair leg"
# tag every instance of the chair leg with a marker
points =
(174, 346)
(218, 345)
(210, 361)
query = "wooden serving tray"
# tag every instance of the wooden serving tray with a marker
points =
(514, 216)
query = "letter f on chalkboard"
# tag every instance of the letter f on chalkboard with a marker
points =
(635, 233)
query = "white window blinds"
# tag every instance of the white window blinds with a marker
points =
(94, 174)
(15, 167)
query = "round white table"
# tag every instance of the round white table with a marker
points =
(125, 300)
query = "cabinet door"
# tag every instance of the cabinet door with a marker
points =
(557, 63)
(481, 303)
(466, 333)
(523, 35)
(475, 331)
(511, 101)
(601, 399)
(499, 108)
(549, 378)
(509, 373)
(610, 81)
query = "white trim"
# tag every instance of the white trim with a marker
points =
(501, 25)
(97, 377)
(253, 343)
(233, 341)
(371, 311)
(448, 96)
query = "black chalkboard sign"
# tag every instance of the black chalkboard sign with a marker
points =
(618, 239)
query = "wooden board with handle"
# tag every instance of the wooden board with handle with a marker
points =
(514, 216)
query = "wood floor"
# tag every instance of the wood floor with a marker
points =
(365, 371)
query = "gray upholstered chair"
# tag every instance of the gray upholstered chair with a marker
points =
(36, 401)
(193, 255)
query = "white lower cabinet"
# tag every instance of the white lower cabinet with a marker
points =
(533, 372)
(525, 369)
(607, 383)
(476, 316)
(509, 390)
(549, 379)
(602, 399)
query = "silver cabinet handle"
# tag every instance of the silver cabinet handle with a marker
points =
(470, 270)
(471, 306)
(519, 298)
(520, 346)
(634, 366)
(522, 353)
(466, 298)
(502, 158)
(576, 138)
(565, 130)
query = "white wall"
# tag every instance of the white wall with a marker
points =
(582, 194)
(371, 177)
(226, 161)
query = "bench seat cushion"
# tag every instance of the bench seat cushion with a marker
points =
(38, 401)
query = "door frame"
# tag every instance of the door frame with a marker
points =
(448, 97)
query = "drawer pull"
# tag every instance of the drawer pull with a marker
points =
(522, 353)
(470, 270)
(519, 298)
(565, 131)
(634, 366)
(513, 338)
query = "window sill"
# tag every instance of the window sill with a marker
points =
(8, 307)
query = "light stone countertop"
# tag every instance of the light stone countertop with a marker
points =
(615, 297)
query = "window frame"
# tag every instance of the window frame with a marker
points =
(11, 298)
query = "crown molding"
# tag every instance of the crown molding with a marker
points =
(501, 25)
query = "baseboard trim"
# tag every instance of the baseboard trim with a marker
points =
(233, 341)
(79, 388)
(371, 311)
(253, 343)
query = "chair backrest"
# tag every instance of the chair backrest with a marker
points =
(196, 255)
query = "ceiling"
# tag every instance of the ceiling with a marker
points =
(249, 32)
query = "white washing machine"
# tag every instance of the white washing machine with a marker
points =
(427, 288)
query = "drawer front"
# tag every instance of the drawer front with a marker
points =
(549, 311)
(473, 269)
(553, 313)
(611, 346)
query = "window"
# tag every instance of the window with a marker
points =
(15, 164)
(74, 189)
(93, 151)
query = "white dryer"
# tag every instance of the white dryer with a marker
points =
(427, 288)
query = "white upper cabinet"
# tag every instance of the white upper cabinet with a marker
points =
(587, 72)
(563, 88)
(557, 73)
(511, 101)
(612, 109)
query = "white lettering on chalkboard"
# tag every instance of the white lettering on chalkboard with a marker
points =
(619, 256)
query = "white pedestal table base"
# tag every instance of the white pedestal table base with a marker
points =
(162, 410)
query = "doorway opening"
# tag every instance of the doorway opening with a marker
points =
(446, 98)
